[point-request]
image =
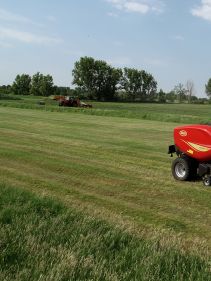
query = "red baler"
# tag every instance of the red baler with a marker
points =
(192, 144)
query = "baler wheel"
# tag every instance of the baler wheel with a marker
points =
(181, 169)
(207, 181)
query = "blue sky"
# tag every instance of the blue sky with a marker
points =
(170, 39)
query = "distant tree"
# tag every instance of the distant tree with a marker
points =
(42, 85)
(96, 78)
(208, 88)
(171, 96)
(121, 95)
(180, 92)
(78, 92)
(149, 85)
(138, 84)
(21, 85)
(5, 89)
(83, 74)
(112, 82)
(132, 83)
(197, 100)
(194, 99)
(161, 96)
(63, 91)
(190, 90)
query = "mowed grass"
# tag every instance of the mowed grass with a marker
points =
(40, 239)
(116, 170)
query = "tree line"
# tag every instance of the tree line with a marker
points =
(97, 80)
(100, 81)
(93, 79)
(37, 85)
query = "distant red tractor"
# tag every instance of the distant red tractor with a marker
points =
(192, 144)
(71, 102)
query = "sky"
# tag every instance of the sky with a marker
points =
(169, 39)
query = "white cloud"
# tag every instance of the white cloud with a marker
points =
(203, 11)
(138, 6)
(116, 3)
(8, 16)
(11, 17)
(26, 37)
(15, 34)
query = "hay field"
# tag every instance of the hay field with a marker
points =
(111, 170)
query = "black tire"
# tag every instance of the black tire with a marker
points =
(207, 181)
(181, 169)
(193, 165)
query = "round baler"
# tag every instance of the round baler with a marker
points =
(192, 144)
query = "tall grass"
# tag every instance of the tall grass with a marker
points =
(9, 97)
(40, 239)
(178, 113)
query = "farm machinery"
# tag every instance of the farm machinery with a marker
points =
(192, 145)
(71, 102)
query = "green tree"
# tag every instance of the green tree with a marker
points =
(208, 88)
(83, 74)
(96, 78)
(5, 89)
(63, 91)
(42, 85)
(139, 84)
(107, 80)
(149, 86)
(132, 82)
(171, 96)
(21, 85)
(161, 96)
(180, 92)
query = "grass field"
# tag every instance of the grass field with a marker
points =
(179, 113)
(110, 172)
(43, 240)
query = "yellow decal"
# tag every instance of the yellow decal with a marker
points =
(190, 151)
(197, 147)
